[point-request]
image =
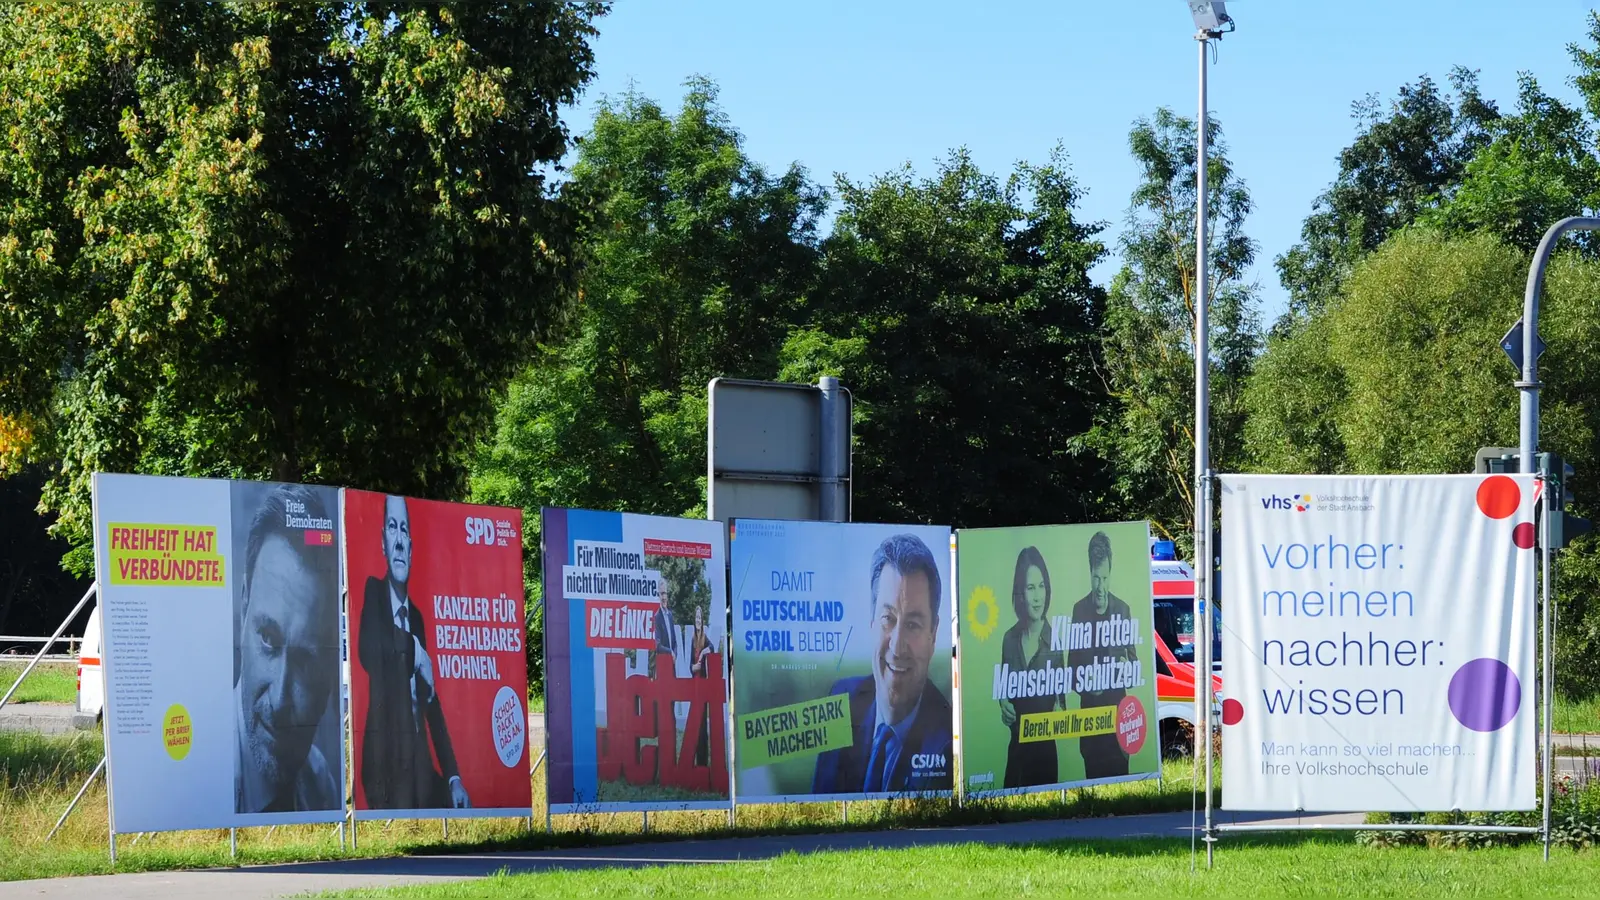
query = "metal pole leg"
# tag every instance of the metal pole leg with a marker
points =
(1548, 677)
(74, 805)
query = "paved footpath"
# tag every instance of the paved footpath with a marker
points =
(262, 882)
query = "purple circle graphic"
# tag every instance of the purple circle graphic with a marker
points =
(1485, 694)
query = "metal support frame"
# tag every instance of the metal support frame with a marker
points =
(1202, 440)
(1547, 662)
(77, 797)
(48, 644)
(1398, 826)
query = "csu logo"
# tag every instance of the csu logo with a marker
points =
(928, 761)
(480, 531)
(1297, 502)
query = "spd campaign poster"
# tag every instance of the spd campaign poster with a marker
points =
(438, 667)
(843, 634)
(1057, 672)
(1378, 634)
(219, 609)
(636, 675)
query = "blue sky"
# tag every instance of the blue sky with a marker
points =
(863, 87)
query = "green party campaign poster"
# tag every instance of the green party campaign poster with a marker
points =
(1057, 668)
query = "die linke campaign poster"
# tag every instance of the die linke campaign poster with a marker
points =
(219, 605)
(636, 674)
(1379, 639)
(843, 638)
(438, 663)
(1057, 671)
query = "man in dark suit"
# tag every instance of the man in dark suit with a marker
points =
(403, 712)
(1103, 756)
(902, 721)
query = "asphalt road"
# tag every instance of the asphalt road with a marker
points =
(262, 882)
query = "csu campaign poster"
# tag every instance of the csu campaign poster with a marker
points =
(439, 671)
(1379, 638)
(636, 677)
(1057, 672)
(220, 615)
(843, 634)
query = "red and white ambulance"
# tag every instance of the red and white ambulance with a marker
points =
(1172, 596)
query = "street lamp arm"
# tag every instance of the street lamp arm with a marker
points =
(1529, 385)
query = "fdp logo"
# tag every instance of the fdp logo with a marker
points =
(480, 531)
(1297, 502)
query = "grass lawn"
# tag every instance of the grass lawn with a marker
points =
(39, 774)
(1577, 716)
(49, 682)
(1250, 868)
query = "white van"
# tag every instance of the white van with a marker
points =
(91, 686)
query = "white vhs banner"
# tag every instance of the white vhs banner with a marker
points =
(1378, 633)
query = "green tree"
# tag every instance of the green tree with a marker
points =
(1539, 168)
(693, 260)
(1146, 434)
(1400, 165)
(279, 240)
(959, 310)
(1402, 373)
(693, 266)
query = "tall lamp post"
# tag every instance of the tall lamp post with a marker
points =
(1211, 20)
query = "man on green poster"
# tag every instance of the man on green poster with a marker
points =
(1103, 756)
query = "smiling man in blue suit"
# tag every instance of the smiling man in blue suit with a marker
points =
(903, 723)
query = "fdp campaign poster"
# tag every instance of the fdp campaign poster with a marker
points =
(219, 608)
(439, 673)
(1057, 671)
(1379, 639)
(636, 677)
(843, 634)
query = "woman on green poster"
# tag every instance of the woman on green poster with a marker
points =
(1027, 646)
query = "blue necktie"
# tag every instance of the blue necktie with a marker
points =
(878, 759)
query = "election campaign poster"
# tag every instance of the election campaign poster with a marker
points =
(636, 675)
(220, 616)
(1379, 639)
(843, 637)
(438, 664)
(1057, 671)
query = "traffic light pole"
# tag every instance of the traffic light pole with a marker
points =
(1529, 385)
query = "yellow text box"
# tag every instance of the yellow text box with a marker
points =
(1067, 724)
(164, 554)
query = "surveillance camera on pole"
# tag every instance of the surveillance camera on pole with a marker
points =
(1210, 16)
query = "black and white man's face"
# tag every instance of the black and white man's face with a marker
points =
(285, 663)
